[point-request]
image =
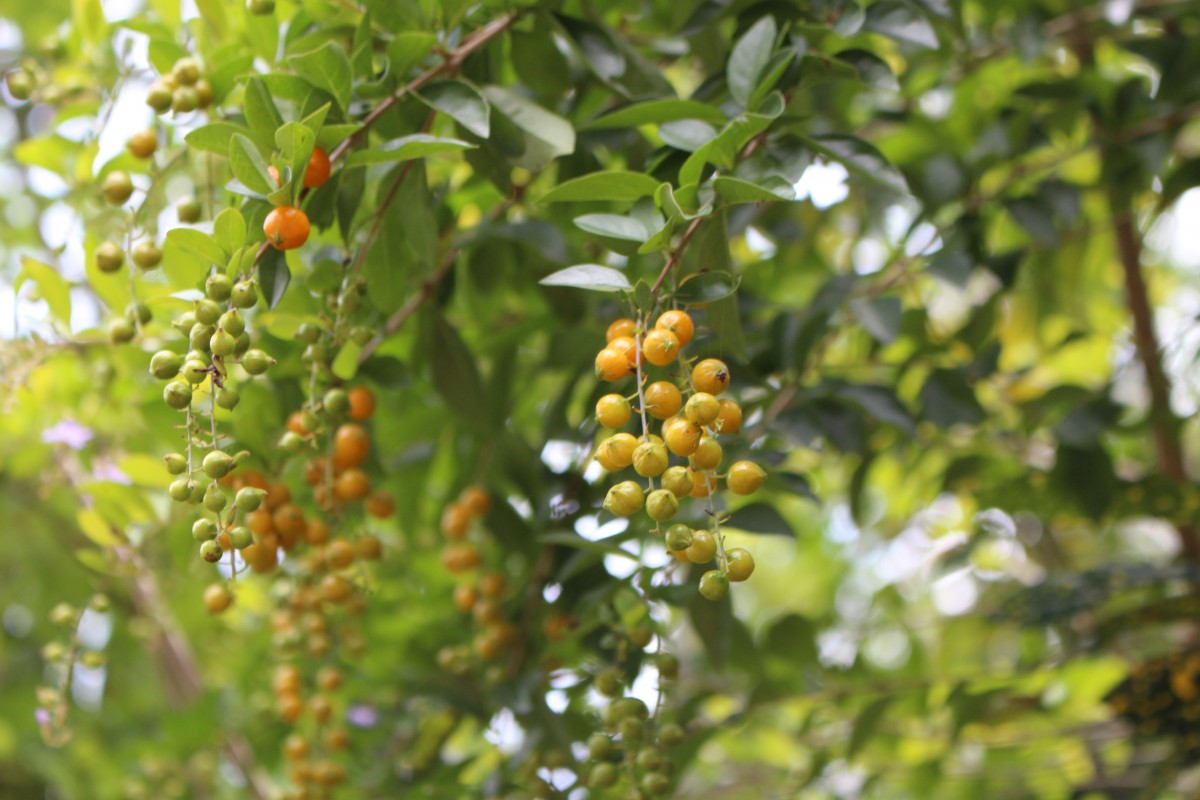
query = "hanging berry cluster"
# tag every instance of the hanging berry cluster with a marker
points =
(692, 419)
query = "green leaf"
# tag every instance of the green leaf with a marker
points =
(547, 135)
(327, 68)
(261, 114)
(52, 286)
(461, 102)
(316, 120)
(406, 148)
(705, 287)
(597, 46)
(229, 230)
(215, 137)
(860, 158)
(688, 135)
(96, 528)
(772, 190)
(749, 58)
(866, 723)
(455, 374)
(761, 518)
(406, 49)
(724, 150)
(948, 399)
(897, 20)
(589, 276)
(407, 241)
(613, 225)
(345, 364)
(163, 53)
(880, 316)
(872, 70)
(273, 276)
(88, 18)
(657, 112)
(295, 141)
(609, 185)
(248, 166)
(198, 244)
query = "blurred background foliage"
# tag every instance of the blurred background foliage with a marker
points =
(966, 351)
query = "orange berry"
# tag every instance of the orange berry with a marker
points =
(678, 323)
(613, 411)
(465, 598)
(369, 547)
(611, 365)
(295, 747)
(626, 346)
(290, 708)
(711, 376)
(492, 584)
(477, 500)
(703, 484)
(316, 532)
(702, 408)
(351, 444)
(277, 494)
(745, 477)
(274, 173)
(286, 679)
(336, 739)
(336, 589)
(380, 504)
(707, 455)
(318, 169)
(289, 524)
(217, 598)
(456, 518)
(620, 327)
(729, 418)
(295, 424)
(286, 227)
(352, 484)
(329, 679)
(741, 564)
(321, 708)
(362, 402)
(663, 399)
(616, 452)
(260, 522)
(339, 554)
(681, 436)
(314, 471)
(460, 557)
(660, 347)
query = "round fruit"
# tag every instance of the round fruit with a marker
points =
(217, 598)
(186, 72)
(627, 347)
(121, 331)
(286, 227)
(714, 585)
(165, 365)
(217, 464)
(109, 257)
(660, 347)
(611, 365)
(650, 459)
(159, 97)
(240, 537)
(207, 312)
(189, 210)
(616, 452)
(211, 552)
(663, 399)
(678, 481)
(613, 411)
(256, 362)
(460, 557)
(681, 436)
(214, 500)
(222, 343)
(336, 402)
(369, 548)
(703, 483)
(661, 505)
(248, 499)
(232, 323)
(620, 327)
(228, 397)
(711, 376)
(177, 395)
(703, 547)
(261, 7)
(602, 776)
(708, 454)
(244, 294)
(678, 537)
(678, 323)
(317, 171)
(380, 504)
(176, 463)
(194, 371)
(745, 477)
(352, 484)
(740, 564)
(351, 444)
(117, 187)
(20, 85)
(456, 518)
(465, 598)
(625, 499)
(142, 144)
(702, 408)
(477, 500)
(729, 419)
(362, 403)
(146, 255)
(184, 100)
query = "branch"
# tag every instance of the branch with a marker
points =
(675, 256)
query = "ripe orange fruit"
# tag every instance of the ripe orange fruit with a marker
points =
(477, 500)
(286, 227)
(339, 554)
(217, 598)
(295, 424)
(621, 327)
(465, 597)
(336, 589)
(460, 557)
(352, 484)
(681, 435)
(729, 418)
(289, 524)
(456, 518)
(260, 522)
(678, 323)
(318, 169)
(663, 399)
(492, 584)
(710, 375)
(277, 494)
(627, 346)
(369, 547)
(611, 365)
(362, 403)
(380, 504)
(613, 411)
(316, 532)
(745, 477)
(350, 446)
(660, 347)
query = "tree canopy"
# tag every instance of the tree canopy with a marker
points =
(709, 399)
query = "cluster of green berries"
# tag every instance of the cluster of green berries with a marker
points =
(61, 655)
(632, 749)
(692, 418)
(182, 90)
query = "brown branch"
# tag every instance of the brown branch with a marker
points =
(676, 255)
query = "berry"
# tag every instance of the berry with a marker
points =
(663, 399)
(678, 481)
(678, 323)
(256, 362)
(711, 376)
(655, 784)
(456, 518)
(180, 490)
(217, 598)
(186, 72)
(228, 397)
(204, 530)
(740, 564)
(222, 343)
(142, 144)
(703, 547)
(117, 187)
(714, 585)
(602, 776)
(465, 598)
(681, 436)
(214, 499)
(707, 455)
(207, 312)
(165, 365)
(650, 459)
(660, 347)
(477, 500)
(261, 7)
(620, 327)
(668, 667)
(184, 100)
(745, 477)
(240, 537)
(380, 504)
(317, 171)
(204, 91)
(351, 444)
(249, 499)
(217, 464)
(703, 483)
(146, 255)
(121, 331)
(138, 312)
(232, 323)
(109, 257)
(244, 294)
(611, 365)
(211, 552)
(600, 747)
(189, 210)
(661, 505)
(176, 463)
(194, 371)
(613, 411)
(362, 403)
(702, 408)
(616, 452)
(625, 499)
(369, 548)
(678, 537)
(177, 395)
(199, 337)
(336, 402)
(20, 85)
(460, 557)
(627, 347)
(286, 227)
(352, 484)
(159, 97)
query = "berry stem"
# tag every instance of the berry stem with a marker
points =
(675, 257)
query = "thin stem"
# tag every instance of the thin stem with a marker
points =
(676, 255)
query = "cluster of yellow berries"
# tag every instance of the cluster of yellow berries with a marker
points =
(693, 418)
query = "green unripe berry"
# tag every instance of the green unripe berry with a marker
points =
(632, 707)
(142, 144)
(641, 635)
(228, 397)
(20, 85)
(63, 615)
(196, 497)
(256, 362)
(240, 537)
(165, 365)
(245, 294)
(241, 346)
(53, 652)
(602, 776)
(117, 187)
(650, 458)
(668, 667)
(194, 372)
(631, 729)
(703, 547)
(249, 499)
(207, 312)
(308, 333)
(360, 335)
(214, 499)
(99, 603)
(679, 537)
(184, 100)
(291, 442)
(608, 683)
(210, 551)
(121, 331)
(222, 343)
(714, 585)
(177, 395)
(186, 71)
(655, 784)
(176, 462)
(600, 747)
(180, 490)
(92, 659)
(677, 481)
(232, 322)
(184, 323)
(139, 312)
(661, 505)
(200, 335)
(318, 352)
(217, 464)
(204, 529)
(189, 210)
(146, 255)
(670, 734)
(625, 499)
(109, 257)
(160, 97)
(649, 759)
(218, 287)
(336, 402)
(261, 7)
(204, 91)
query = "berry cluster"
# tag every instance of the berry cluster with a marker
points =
(61, 656)
(183, 90)
(693, 419)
